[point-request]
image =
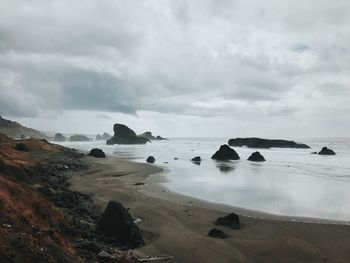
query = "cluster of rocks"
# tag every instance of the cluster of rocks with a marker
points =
(231, 221)
(265, 143)
(148, 135)
(125, 135)
(79, 138)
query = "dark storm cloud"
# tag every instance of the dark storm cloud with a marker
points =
(184, 57)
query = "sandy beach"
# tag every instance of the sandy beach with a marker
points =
(177, 226)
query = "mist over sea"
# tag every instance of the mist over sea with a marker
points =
(292, 182)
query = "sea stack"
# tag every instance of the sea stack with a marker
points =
(225, 153)
(265, 143)
(326, 151)
(124, 135)
(256, 157)
(59, 137)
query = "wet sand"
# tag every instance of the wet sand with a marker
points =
(176, 225)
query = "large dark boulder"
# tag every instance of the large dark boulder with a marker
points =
(256, 157)
(151, 159)
(265, 143)
(98, 153)
(326, 151)
(59, 137)
(124, 135)
(79, 138)
(116, 222)
(231, 221)
(106, 136)
(217, 233)
(225, 153)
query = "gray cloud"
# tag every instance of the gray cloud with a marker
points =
(203, 58)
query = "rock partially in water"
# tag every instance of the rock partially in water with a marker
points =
(116, 222)
(106, 136)
(151, 159)
(59, 137)
(79, 138)
(217, 233)
(265, 143)
(196, 159)
(98, 137)
(21, 147)
(95, 152)
(225, 153)
(326, 151)
(256, 157)
(231, 221)
(125, 135)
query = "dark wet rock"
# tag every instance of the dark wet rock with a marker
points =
(95, 152)
(151, 159)
(217, 233)
(125, 135)
(116, 222)
(265, 143)
(326, 151)
(139, 183)
(59, 137)
(21, 147)
(314, 153)
(225, 153)
(176, 158)
(256, 157)
(231, 221)
(106, 136)
(196, 159)
(98, 137)
(148, 135)
(79, 138)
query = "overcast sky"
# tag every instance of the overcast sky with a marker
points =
(225, 68)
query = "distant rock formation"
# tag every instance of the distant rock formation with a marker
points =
(124, 135)
(231, 221)
(326, 151)
(256, 157)
(98, 138)
(265, 143)
(116, 222)
(196, 159)
(59, 137)
(98, 153)
(15, 130)
(79, 138)
(151, 159)
(148, 135)
(106, 136)
(160, 138)
(225, 153)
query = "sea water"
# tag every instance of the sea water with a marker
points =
(292, 182)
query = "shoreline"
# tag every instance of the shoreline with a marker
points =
(178, 227)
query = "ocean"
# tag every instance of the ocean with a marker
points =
(292, 182)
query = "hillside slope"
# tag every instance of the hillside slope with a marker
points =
(15, 130)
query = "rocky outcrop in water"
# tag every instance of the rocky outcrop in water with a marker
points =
(59, 137)
(151, 159)
(148, 135)
(231, 221)
(265, 143)
(106, 136)
(116, 222)
(326, 151)
(225, 153)
(256, 157)
(98, 153)
(124, 135)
